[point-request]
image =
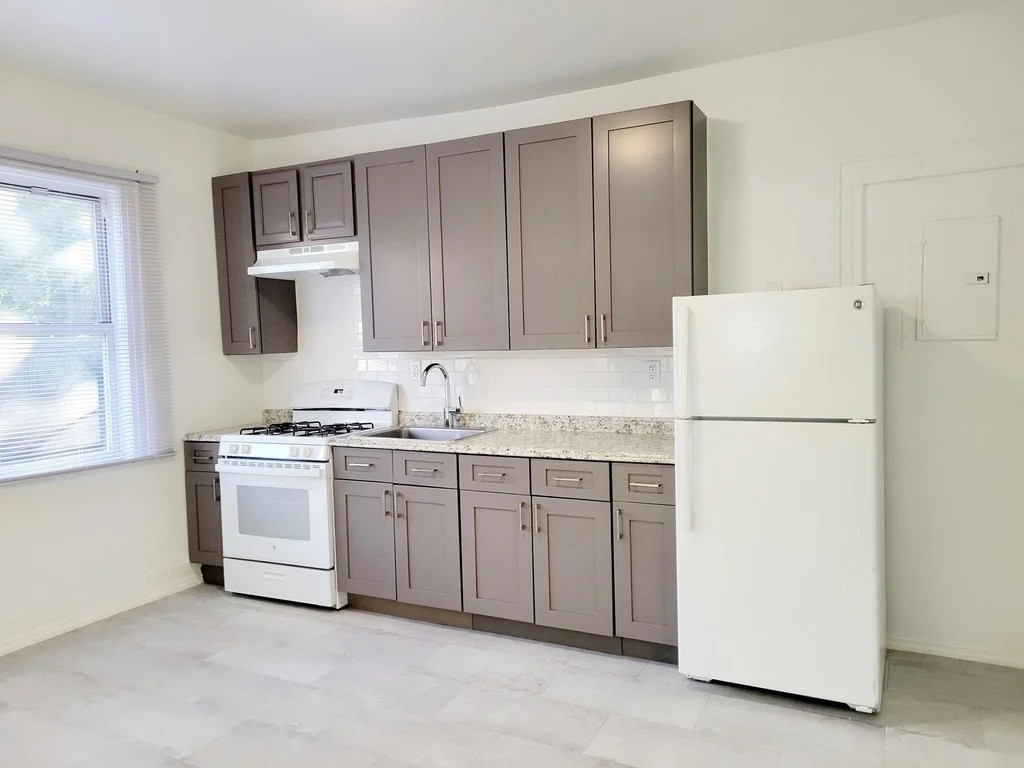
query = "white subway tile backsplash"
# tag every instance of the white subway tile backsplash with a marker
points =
(602, 382)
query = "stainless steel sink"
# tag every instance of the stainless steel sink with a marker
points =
(436, 434)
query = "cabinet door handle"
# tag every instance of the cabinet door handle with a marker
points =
(604, 328)
(537, 512)
(634, 484)
(309, 222)
(567, 479)
(387, 495)
(523, 525)
(365, 465)
(292, 217)
(586, 328)
(439, 332)
(425, 333)
(618, 524)
(252, 337)
(399, 505)
(216, 489)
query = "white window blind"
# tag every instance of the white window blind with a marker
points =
(84, 363)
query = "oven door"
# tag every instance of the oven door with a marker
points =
(277, 512)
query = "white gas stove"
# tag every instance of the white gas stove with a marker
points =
(276, 492)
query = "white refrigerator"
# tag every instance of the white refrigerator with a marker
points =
(778, 435)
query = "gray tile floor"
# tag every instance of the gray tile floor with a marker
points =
(206, 680)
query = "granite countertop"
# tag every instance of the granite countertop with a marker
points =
(538, 444)
(643, 441)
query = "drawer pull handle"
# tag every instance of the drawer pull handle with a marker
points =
(203, 459)
(422, 471)
(491, 474)
(567, 479)
(634, 484)
(366, 465)
(275, 575)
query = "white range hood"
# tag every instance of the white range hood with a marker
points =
(307, 261)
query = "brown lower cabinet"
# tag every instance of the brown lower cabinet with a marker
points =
(497, 554)
(572, 565)
(202, 505)
(398, 542)
(428, 565)
(645, 572)
(364, 537)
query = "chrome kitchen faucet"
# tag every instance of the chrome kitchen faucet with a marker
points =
(449, 412)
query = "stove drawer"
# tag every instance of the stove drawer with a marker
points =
(362, 464)
(283, 582)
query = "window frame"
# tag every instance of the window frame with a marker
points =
(116, 443)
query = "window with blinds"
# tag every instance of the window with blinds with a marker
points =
(84, 366)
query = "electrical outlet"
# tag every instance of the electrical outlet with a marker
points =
(654, 371)
(773, 287)
(414, 369)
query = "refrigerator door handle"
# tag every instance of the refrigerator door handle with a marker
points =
(683, 321)
(685, 495)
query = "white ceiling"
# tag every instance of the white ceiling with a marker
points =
(260, 68)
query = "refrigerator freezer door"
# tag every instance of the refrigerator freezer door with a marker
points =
(811, 354)
(779, 558)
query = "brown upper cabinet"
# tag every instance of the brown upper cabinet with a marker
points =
(549, 194)
(394, 259)
(432, 247)
(257, 316)
(307, 203)
(650, 220)
(468, 262)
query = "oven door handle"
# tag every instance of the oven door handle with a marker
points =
(315, 471)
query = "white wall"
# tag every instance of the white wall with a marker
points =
(79, 546)
(781, 126)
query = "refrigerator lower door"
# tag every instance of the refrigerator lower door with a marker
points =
(780, 556)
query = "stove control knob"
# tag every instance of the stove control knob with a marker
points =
(246, 449)
(293, 451)
(233, 448)
(307, 452)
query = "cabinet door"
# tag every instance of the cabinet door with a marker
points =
(549, 196)
(468, 261)
(572, 560)
(239, 299)
(202, 508)
(645, 572)
(275, 199)
(394, 260)
(427, 546)
(497, 554)
(644, 222)
(364, 534)
(328, 210)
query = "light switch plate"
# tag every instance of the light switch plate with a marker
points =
(415, 367)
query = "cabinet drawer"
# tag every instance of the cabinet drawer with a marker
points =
(644, 483)
(498, 474)
(201, 457)
(437, 470)
(570, 479)
(362, 464)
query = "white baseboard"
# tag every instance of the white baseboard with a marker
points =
(982, 655)
(45, 632)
